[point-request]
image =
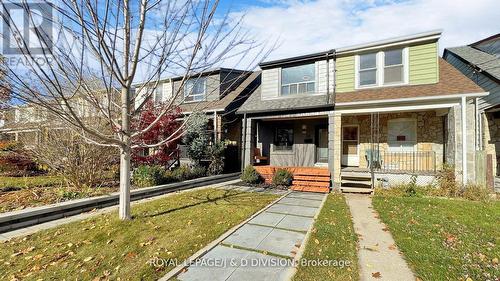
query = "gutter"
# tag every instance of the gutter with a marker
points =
(429, 98)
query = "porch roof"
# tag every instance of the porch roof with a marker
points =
(451, 82)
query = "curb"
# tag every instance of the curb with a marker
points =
(11, 221)
(174, 272)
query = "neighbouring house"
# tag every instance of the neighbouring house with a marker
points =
(378, 113)
(23, 124)
(480, 61)
(218, 93)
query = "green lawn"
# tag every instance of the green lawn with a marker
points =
(333, 238)
(173, 228)
(445, 239)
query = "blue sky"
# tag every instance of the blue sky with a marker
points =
(310, 26)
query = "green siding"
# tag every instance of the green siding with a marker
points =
(345, 74)
(423, 61)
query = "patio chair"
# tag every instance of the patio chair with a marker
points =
(258, 158)
(373, 158)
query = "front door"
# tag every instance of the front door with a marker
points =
(350, 145)
(322, 145)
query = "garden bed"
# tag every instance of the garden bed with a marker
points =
(171, 228)
(453, 239)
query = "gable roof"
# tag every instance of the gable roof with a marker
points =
(451, 82)
(482, 60)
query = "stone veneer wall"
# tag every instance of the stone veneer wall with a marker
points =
(491, 139)
(430, 132)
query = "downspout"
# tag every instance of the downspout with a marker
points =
(464, 141)
(479, 129)
(243, 142)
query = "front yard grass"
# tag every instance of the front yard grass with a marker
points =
(445, 239)
(173, 228)
(333, 238)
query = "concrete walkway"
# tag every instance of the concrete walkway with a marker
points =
(379, 258)
(262, 248)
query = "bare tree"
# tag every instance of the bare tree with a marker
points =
(102, 48)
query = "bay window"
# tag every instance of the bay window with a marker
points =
(298, 79)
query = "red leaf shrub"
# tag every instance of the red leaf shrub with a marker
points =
(163, 129)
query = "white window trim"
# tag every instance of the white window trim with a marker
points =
(415, 142)
(380, 63)
(204, 95)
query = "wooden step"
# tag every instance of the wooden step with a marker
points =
(310, 189)
(312, 178)
(311, 183)
(356, 189)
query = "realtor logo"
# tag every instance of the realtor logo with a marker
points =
(26, 27)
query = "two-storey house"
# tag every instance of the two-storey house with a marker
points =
(375, 113)
(480, 61)
(218, 93)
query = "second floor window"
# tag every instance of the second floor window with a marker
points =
(393, 66)
(194, 89)
(368, 69)
(382, 68)
(298, 79)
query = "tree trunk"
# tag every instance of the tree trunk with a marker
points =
(125, 150)
(124, 210)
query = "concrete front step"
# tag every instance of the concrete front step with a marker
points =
(356, 189)
(355, 175)
(356, 182)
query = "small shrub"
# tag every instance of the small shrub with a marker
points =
(476, 192)
(283, 178)
(411, 188)
(216, 156)
(148, 176)
(447, 181)
(67, 194)
(168, 177)
(185, 172)
(250, 175)
(198, 172)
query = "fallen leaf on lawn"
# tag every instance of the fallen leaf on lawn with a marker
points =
(316, 241)
(69, 245)
(495, 261)
(189, 222)
(392, 247)
(109, 241)
(376, 274)
(87, 259)
(130, 255)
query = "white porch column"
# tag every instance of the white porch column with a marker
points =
(215, 126)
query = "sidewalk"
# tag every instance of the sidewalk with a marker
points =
(262, 248)
(379, 259)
